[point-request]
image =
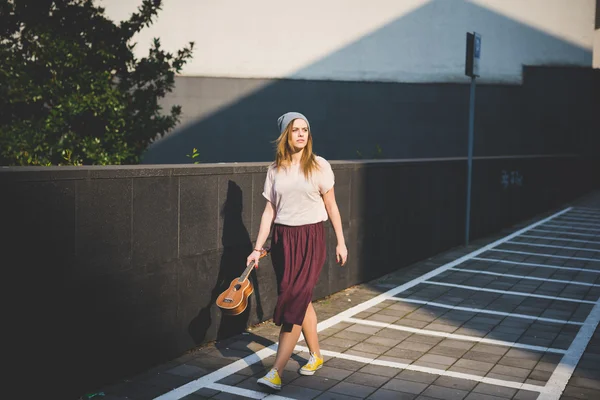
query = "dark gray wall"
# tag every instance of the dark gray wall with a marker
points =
(113, 269)
(234, 120)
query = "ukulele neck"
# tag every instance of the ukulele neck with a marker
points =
(246, 272)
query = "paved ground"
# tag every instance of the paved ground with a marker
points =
(509, 317)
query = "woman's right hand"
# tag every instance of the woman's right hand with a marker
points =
(255, 255)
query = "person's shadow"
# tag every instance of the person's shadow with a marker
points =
(237, 245)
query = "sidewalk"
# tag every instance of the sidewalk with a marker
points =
(512, 316)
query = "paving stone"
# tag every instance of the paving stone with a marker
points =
(517, 362)
(340, 363)
(367, 356)
(441, 327)
(486, 348)
(334, 396)
(424, 339)
(383, 318)
(412, 323)
(457, 344)
(335, 341)
(317, 382)
(453, 383)
(470, 331)
(333, 373)
(416, 346)
(393, 313)
(416, 376)
(337, 349)
(525, 354)
(502, 377)
(395, 360)
(393, 334)
(481, 396)
(233, 379)
(474, 365)
(447, 351)
(355, 336)
(369, 330)
(440, 392)
(535, 382)
(467, 371)
(404, 353)
(540, 375)
(362, 315)
(371, 348)
(495, 390)
(402, 307)
(526, 395)
(379, 371)
(400, 385)
(437, 359)
(352, 389)
(385, 394)
(381, 341)
(511, 371)
(585, 382)
(367, 379)
(581, 393)
(298, 392)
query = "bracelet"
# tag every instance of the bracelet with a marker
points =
(259, 250)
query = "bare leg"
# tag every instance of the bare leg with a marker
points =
(288, 338)
(309, 330)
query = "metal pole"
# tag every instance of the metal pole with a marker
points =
(470, 158)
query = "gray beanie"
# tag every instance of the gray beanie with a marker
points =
(288, 117)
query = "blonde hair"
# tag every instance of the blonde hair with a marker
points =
(285, 149)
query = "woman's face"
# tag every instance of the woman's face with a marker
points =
(299, 136)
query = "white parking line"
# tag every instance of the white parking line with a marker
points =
(260, 355)
(552, 246)
(586, 209)
(564, 370)
(571, 227)
(480, 289)
(563, 239)
(582, 219)
(538, 265)
(476, 271)
(560, 221)
(545, 255)
(428, 370)
(567, 233)
(464, 338)
(485, 311)
(246, 392)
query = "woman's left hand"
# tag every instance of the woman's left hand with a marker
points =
(341, 254)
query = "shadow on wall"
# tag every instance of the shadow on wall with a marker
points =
(236, 247)
(234, 120)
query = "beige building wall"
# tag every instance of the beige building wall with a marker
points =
(379, 40)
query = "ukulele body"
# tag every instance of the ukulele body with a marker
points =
(234, 300)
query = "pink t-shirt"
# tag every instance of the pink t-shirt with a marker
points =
(298, 201)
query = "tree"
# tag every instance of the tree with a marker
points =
(71, 90)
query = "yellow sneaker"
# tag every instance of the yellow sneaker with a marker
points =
(271, 380)
(314, 363)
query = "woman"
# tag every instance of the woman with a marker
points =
(300, 197)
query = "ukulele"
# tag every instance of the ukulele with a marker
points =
(234, 300)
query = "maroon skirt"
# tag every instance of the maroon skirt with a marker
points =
(298, 255)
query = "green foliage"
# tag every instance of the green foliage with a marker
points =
(71, 90)
(194, 155)
(378, 154)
